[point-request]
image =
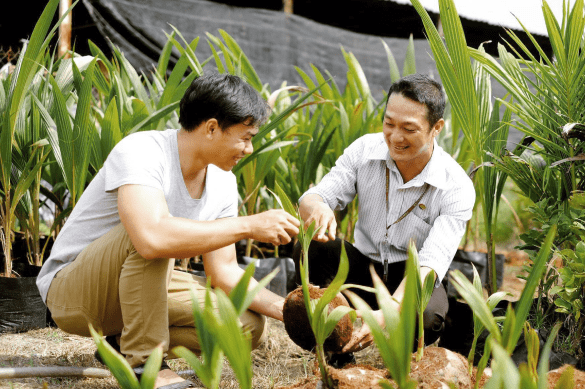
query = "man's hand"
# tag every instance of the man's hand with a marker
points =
(313, 209)
(363, 338)
(275, 226)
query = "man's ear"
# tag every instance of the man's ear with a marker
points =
(438, 127)
(211, 127)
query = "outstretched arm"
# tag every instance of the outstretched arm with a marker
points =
(222, 268)
(155, 233)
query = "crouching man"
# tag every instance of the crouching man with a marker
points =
(163, 195)
(407, 188)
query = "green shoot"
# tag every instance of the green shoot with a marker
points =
(220, 333)
(122, 370)
(396, 340)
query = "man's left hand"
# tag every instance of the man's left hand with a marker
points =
(363, 338)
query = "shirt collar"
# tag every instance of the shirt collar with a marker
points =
(434, 173)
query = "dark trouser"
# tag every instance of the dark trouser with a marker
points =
(323, 266)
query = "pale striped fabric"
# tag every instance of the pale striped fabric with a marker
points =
(437, 224)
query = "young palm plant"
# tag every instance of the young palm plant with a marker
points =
(321, 320)
(549, 95)
(122, 370)
(220, 333)
(395, 341)
(505, 374)
(513, 323)
(424, 290)
(478, 327)
(14, 103)
(469, 92)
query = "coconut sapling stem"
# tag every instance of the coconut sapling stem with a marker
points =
(424, 292)
(321, 320)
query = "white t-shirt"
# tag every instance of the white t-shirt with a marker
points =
(149, 158)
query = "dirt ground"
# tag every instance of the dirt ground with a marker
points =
(278, 362)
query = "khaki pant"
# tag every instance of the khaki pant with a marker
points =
(111, 287)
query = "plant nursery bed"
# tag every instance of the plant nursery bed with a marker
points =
(277, 363)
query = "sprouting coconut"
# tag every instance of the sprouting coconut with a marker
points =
(296, 322)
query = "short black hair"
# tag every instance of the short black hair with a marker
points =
(225, 97)
(424, 90)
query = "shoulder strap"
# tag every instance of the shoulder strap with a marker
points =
(411, 207)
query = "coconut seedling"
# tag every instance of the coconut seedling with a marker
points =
(424, 290)
(478, 327)
(513, 323)
(122, 370)
(322, 322)
(395, 341)
(220, 333)
(505, 374)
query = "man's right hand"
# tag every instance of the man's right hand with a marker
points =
(314, 209)
(274, 226)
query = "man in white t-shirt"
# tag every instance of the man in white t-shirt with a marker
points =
(162, 195)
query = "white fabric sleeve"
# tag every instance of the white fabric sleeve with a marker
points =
(339, 187)
(231, 205)
(445, 235)
(135, 160)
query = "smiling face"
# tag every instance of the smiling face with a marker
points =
(408, 134)
(233, 144)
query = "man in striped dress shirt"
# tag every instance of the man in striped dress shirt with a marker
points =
(408, 188)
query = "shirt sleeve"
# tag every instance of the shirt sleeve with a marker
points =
(338, 188)
(231, 204)
(135, 160)
(445, 235)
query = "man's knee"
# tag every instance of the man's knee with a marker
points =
(256, 324)
(434, 326)
(434, 315)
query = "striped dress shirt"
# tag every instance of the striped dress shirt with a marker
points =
(436, 225)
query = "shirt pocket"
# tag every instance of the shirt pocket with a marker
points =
(411, 227)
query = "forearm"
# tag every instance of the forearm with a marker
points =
(226, 276)
(173, 237)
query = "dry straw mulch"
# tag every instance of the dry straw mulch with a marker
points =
(278, 362)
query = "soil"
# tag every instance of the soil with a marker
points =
(296, 321)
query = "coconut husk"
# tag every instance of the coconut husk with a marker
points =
(554, 375)
(296, 321)
(439, 368)
(358, 376)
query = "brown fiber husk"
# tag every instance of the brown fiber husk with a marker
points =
(296, 321)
